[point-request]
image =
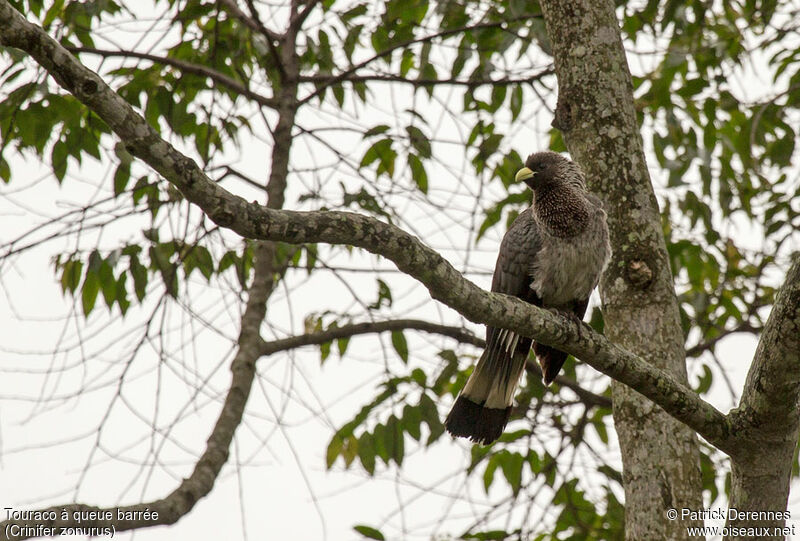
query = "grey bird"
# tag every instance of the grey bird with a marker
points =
(552, 256)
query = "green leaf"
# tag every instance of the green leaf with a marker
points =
(406, 62)
(349, 450)
(122, 293)
(376, 130)
(395, 439)
(511, 464)
(71, 275)
(121, 177)
(338, 94)
(492, 217)
(108, 283)
(324, 351)
(379, 439)
(488, 473)
(52, 12)
(418, 173)
(352, 39)
(366, 452)
(91, 286)
(58, 160)
(430, 416)
(203, 261)
(139, 274)
(492, 535)
(419, 141)
(383, 152)
(705, 381)
(384, 296)
(412, 419)
(5, 170)
(369, 532)
(400, 345)
(515, 103)
(341, 345)
(600, 428)
(418, 376)
(334, 449)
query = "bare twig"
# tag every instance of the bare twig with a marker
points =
(186, 67)
(346, 331)
(444, 33)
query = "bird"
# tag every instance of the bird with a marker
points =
(552, 256)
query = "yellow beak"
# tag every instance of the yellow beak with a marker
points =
(524, 174)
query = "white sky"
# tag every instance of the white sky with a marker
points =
(51, 403)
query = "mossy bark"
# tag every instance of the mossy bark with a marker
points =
(596, 116)
(767, 421)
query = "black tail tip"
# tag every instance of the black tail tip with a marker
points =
(470, 420)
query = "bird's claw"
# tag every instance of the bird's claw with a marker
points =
(571, 316)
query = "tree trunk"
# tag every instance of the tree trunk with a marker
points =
(767, 422)
(596, 116)
(760, 484)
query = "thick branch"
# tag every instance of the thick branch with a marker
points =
(410, 255)
(767, 423)
(769, 405)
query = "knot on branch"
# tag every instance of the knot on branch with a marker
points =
(639, 273)
(89, 87)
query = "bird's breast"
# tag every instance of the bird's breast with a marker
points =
(566, 270)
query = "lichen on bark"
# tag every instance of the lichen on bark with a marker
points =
(596, 116)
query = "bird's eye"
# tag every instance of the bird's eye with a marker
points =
(540, 166)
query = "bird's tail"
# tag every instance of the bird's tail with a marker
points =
(482, 409)
(551, 360)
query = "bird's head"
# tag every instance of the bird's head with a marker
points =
(540, 168)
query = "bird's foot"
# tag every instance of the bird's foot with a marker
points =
(571, 316)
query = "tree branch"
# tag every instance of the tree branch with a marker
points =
(589, 398)
(768, 407)
(187, 67)
(411, 256)
(461, 335)
(766, 422)
(444, 33)
(298, 20)
(346, 331)
(469, 83)
(269, 35)
(697, 349)
(255, 24)
(250, 22)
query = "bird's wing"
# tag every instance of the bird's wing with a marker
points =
(517, 251)
(511, 276)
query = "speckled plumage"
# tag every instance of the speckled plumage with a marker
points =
(552, 256)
